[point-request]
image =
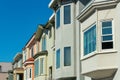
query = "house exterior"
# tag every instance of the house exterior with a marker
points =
(18, 70)
(10, 75)
(30, 49)
(99, 39)
(44, 60)
(67, 54)
(4, 68)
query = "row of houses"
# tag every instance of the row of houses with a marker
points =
(79, 42)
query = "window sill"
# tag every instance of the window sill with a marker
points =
(96, 53)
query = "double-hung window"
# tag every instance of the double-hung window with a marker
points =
(107, 37)
(67, 14)
(58, 19)
(58, 58)
(90, 40)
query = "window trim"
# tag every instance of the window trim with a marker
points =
(88, 28)
(112, 21)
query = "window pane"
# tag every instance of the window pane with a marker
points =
(107, 45)
(90, 40)
(44, 43)
(84, 2)
(107, 24)
(58, 19)
(36, 67)
(58, 59)
(41, 65)
(107, 31)
(105, 38)
(67, 56)
(67, 14)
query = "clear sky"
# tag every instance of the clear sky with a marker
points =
(18, 21)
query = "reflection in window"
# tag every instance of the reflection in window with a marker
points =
(90, 40)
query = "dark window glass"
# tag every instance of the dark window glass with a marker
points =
(30, 73)
(0, 68)
(67, 14)
(84, 2)
(58, 19)
(67, 56)
(107, 45)
(58, 58)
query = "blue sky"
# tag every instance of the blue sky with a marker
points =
(18, 21)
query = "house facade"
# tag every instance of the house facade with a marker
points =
(18, 72)
(67, 50)
(79, 42)
(4, 68)
(30, 49)
(99, 32)
(44, 59)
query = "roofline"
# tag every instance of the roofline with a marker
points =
(92, 6)
(28, 42)
(52, 2)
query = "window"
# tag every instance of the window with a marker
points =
(107, 38)
(32, 52)
(41, 65)
(0, 68)
(58, 58)
(85, 2)
(58, 19)
(67, 56)
(66, 1)
(43, 43)
(67, 14)
(50, 73)
(37, 47)
(36, 68)
(90, 40)
(30, 75)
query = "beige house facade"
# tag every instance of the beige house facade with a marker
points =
(44, 61)
(99, 39)
(18, 72)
